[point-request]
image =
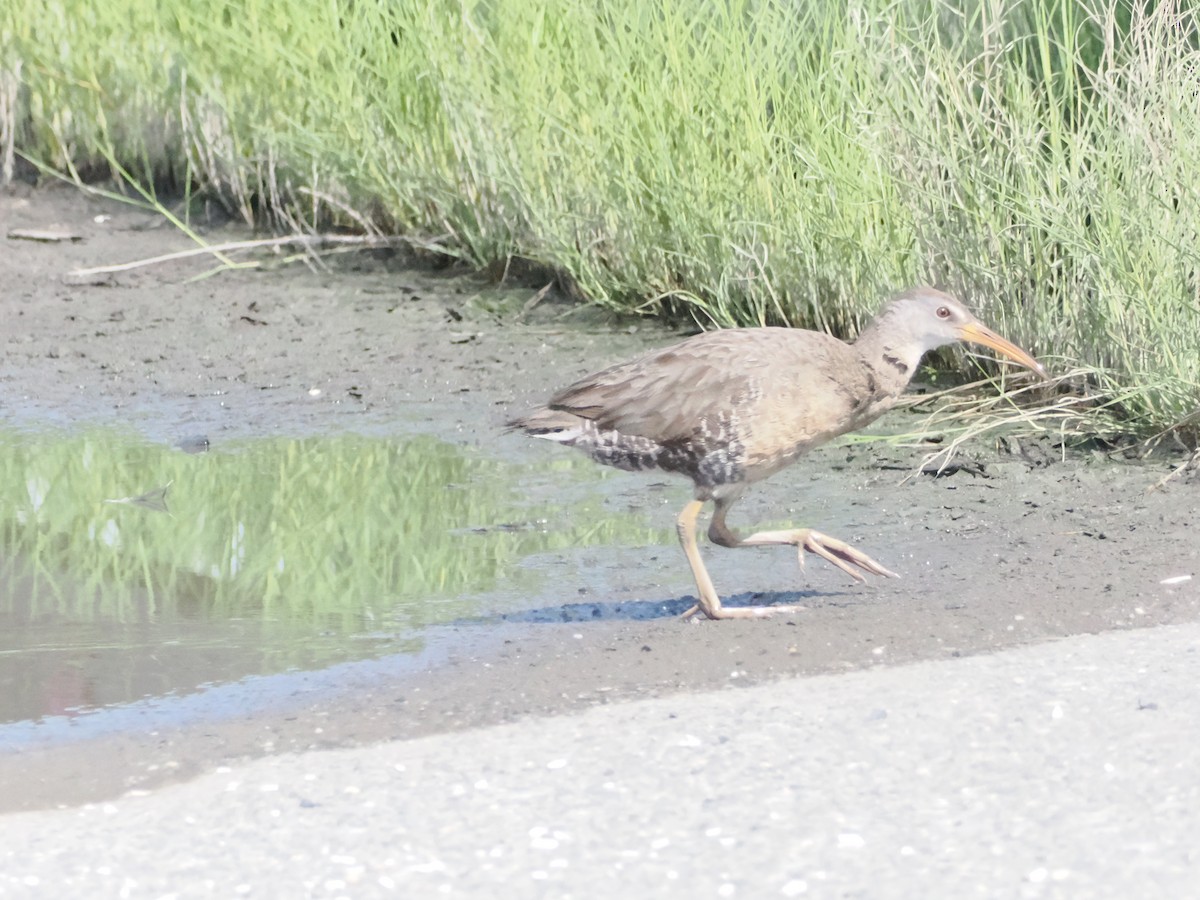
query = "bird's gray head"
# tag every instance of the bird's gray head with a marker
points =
(923, 319)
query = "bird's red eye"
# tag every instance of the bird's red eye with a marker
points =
(943, 312)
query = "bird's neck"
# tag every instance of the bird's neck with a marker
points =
(891, 356)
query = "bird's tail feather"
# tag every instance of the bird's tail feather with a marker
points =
(550, 424)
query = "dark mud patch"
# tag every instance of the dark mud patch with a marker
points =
(1011, 550)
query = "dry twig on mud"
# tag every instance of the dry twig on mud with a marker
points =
(1188, 425)
(967, 412)
(309, 243)
(1192, 462)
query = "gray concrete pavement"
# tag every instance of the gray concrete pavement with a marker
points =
(1068, 769)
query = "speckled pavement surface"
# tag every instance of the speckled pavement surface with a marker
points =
(1067, 769)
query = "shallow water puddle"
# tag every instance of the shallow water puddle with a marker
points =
(133, 570)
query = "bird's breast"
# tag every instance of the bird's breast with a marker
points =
(790, 419)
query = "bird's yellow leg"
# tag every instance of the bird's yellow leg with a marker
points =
(685, 526)
(852, 562)
(710, 603)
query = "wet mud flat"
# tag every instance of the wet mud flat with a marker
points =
(1023, 548)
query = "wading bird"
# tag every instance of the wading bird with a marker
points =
(728, 408)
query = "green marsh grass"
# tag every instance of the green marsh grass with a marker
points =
(739, 162)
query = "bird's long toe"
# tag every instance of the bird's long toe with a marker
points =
(851, 561)
(743, 612)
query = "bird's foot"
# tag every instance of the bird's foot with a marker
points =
(841, 555)
(852, 562)
(720, 611)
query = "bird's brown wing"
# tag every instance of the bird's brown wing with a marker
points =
(669, 394)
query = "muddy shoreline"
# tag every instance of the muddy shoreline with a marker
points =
(1028, 550)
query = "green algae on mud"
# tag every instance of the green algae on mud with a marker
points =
(268, 555)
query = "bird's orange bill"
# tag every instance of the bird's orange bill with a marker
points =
(981, 334)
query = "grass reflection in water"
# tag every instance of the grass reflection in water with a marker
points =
(259, 557)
